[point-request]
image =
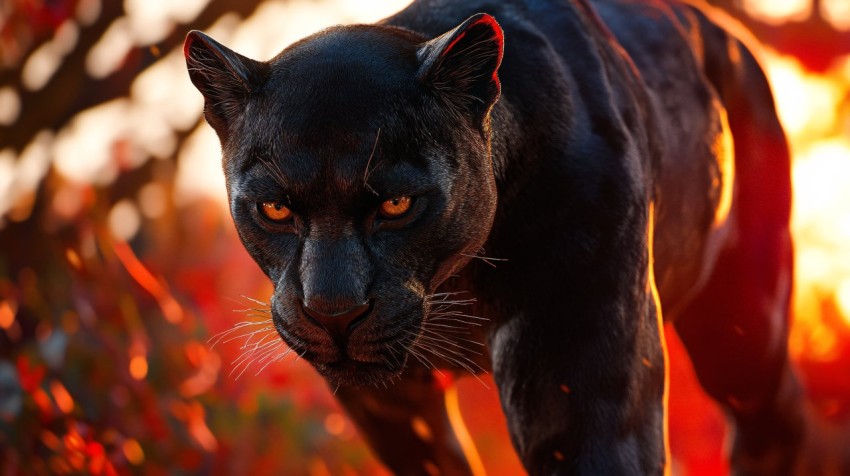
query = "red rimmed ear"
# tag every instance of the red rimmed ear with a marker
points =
(462, 65)
(223, 76)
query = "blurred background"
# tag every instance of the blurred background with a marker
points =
(119, 262)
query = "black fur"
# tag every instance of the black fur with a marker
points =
(587, 149)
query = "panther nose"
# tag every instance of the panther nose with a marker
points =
(340, 324)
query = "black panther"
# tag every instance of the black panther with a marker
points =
(543, 177)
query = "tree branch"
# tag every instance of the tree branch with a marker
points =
(71, 89)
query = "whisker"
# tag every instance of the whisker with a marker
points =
(451, 320)
(457, 361)
(433, 339)
(369, 162)
(274, 170)
(249, 358)
(433, 332)
(392, 351)
(214, 340)
(265, 304)
(446, 303)
(264, 353)
(277, 358)
(458, 331)
(487, 259)
(251, 347)
(456, 353)
(264, 317)
(418, 344)
(269, 333)
(446, 294)
(421, 357)
(458, 314)
(249, 353)
(262, 312)
(447, 298)
(266, 327)
(249, 337)
(428, 343)
(443, 325)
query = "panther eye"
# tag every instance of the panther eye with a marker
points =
(395, 207)
(275, 211)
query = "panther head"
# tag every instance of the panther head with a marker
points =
(359, 178)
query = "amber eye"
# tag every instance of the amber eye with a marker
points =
(275, 211)
(395, 207)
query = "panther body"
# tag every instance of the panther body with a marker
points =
(609, 161)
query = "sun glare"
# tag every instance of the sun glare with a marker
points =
(778, 11)
(821, 215)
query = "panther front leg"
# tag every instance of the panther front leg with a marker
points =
(582, 384)
(407, 425)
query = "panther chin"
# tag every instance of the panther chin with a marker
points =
(353, 373)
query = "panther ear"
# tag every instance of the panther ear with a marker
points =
(224, 77)
(462, 64)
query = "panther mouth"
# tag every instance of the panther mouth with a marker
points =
(355, 366)
(374, 353)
